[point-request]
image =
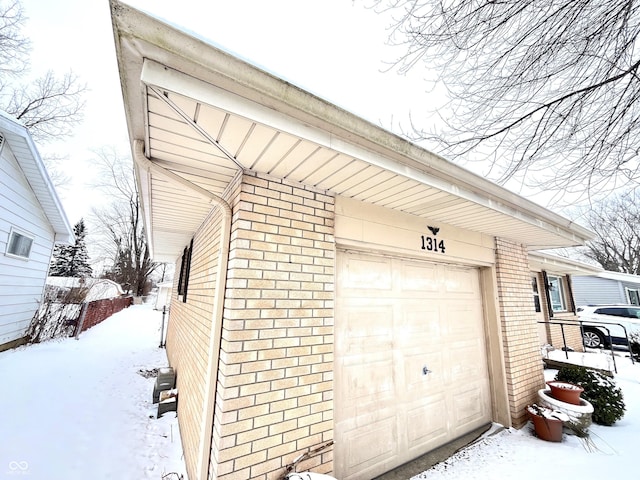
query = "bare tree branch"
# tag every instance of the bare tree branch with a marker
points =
(49, 106)
(14, 47)
(120, 224)
(616, 223)
(546, 91)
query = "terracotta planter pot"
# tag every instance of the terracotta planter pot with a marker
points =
(549, 429)
(565, 392)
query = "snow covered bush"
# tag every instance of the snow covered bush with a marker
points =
(600, 390)
(57, 315)
(634, 340)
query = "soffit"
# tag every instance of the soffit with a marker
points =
(206, 128)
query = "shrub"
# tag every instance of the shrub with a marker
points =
(600, 390)
(634, 341)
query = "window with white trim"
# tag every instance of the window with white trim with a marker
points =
(633, 295)
(556, 294)
(19, 244)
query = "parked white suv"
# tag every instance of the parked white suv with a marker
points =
(598, 318)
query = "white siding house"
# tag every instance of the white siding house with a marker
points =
(606, 288)
(32, 221)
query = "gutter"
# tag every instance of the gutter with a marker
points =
(215, 336)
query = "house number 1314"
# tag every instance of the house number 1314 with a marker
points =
(432, 244)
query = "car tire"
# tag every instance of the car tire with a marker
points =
(592, 338)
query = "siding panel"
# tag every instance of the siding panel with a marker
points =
(21, 281)
(590, 290)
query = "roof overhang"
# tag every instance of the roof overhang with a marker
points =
(19, 141)
(619, 276)
(204, 115)
(539, 261)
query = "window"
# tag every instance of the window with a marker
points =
(536, 293)
(19, 244)
(619, 312)
(185, 268)
(556, 294)
(633, 295)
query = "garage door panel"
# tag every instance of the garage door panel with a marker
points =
(416, 382)
(419, 325)
(427, 422)
(368, 382)
(367, 273)
(370, 446)
(470, 407)
(464, 319)
(419, 278)
(461, 281)
(365, 328)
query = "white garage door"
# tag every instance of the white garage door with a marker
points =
(410, 366)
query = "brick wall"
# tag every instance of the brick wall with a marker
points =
(275, 381)
(523, 363)
(188, 334)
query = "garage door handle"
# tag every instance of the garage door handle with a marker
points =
(426, 371)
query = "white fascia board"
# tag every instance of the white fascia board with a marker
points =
(621, 277)
(484, 192)
(544, 261)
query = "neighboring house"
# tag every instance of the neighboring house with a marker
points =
(553, 281)
(92, 289)
(334, 281)
(607, 288)
(32, 221)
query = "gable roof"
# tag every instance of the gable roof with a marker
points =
(198, 115)
(17, 138)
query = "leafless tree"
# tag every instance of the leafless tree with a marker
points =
(119, 224)
(546, 91)
(49, 106)
(616, 223)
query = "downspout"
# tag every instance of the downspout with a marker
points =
(206, 434)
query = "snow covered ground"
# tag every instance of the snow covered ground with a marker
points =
(519, 454)
(79, 409)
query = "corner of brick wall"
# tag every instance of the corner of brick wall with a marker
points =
(523, 361)
(274, 399)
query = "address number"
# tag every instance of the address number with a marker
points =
(432, 244)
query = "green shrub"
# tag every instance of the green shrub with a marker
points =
(600, 390)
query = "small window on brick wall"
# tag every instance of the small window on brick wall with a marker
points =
(559, 293)
(536, 292)
(556, 294)
(19, 244)
(185, 268)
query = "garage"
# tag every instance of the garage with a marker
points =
(410, 360)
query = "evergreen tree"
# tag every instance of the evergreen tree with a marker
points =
(72, 260)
